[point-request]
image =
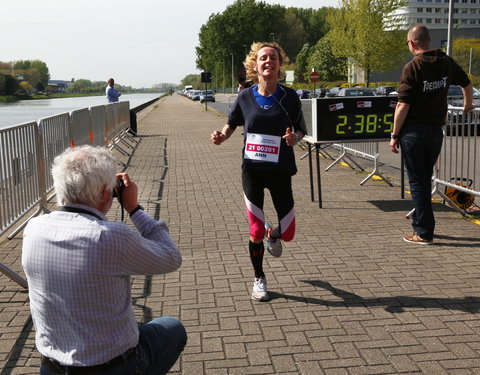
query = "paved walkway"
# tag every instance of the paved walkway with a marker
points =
(349, 296)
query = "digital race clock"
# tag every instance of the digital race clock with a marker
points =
(342, 119)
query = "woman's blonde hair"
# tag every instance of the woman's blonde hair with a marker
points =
(251, 59)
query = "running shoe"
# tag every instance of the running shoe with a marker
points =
(416, 239)
(273, 246)
(259, 292)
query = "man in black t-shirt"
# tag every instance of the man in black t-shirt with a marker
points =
(419, 117)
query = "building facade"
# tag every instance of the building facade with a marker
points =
(434, 15)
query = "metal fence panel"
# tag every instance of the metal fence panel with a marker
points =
(460, 156)
(19, 172)
(80, 127)
(97, 120)
(56, 139)
(109, 123)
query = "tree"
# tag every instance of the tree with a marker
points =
(325, 63)
(369, 33)
(81, 86)
(467, 53)
(8, 84)
(42, 68)
(233, 32)
(301, 68)
(191, 79)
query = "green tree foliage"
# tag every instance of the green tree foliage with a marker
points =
(193, 80)
(33, 71)
(368, 32)
(301, 67)
(8, 84)
(233, 31)
(42, 68)
(248, 21)
(314, 23)
(325, 63)
(467, 53)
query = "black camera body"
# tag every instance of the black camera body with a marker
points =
(118, 189)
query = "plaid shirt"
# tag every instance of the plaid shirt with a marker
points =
(78, 269)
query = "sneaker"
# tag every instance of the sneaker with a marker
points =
(259, 292)
(273, 246)
(415, 238)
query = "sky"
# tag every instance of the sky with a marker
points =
(138, 43)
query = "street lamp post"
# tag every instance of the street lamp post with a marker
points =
(273, 37)
(450, 27)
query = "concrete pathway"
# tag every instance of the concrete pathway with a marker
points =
(349, 296)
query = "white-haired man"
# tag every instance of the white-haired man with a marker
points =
(78, 267)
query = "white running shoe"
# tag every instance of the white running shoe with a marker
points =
(259, 292)
(274, 247)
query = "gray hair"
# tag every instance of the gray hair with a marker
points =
(81, 173)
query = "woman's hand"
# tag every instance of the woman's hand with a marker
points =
(217, 137)
(290, 137)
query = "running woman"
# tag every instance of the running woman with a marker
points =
(273, 122)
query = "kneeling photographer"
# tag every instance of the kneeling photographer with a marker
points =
(78, 266)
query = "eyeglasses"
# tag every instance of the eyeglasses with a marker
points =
(408, 42)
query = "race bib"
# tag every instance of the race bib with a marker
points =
(262, 147)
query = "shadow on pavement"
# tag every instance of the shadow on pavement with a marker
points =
(396, 304)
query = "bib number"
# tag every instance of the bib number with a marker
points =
(262, 147)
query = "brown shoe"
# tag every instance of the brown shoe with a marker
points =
(414, 238)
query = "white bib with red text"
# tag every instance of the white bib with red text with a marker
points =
(262, 147)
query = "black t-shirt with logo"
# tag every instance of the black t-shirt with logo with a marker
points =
(424, 86)
(285, 113)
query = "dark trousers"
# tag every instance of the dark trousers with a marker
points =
(421, 146)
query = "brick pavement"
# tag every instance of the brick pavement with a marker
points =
(349, 296)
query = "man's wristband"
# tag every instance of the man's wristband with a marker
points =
(135, 210)
(394, 136)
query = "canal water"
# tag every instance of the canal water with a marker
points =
(32, 110)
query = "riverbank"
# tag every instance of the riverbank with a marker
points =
(14, 98)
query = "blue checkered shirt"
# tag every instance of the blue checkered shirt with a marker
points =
(78, 270)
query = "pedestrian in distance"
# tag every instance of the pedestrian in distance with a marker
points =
(273, 122)
(78, 266)
(111, 92)
(419, 116)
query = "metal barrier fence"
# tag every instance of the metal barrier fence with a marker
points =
(459, 161)
(19, 172)
(27, 152)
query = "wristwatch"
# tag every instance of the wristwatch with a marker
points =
(394, 136)
(135, 210)
(297, 137)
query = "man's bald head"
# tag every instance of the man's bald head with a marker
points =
(419, 35)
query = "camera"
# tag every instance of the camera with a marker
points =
(118, 189)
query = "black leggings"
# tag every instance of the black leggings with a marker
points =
(280, 187)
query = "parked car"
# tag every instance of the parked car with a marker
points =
(384, 90)
(320, 92)
(333, 92)
(455, 96)
(355, 92)
(195, 95)
(303, 94)
(207, 96)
